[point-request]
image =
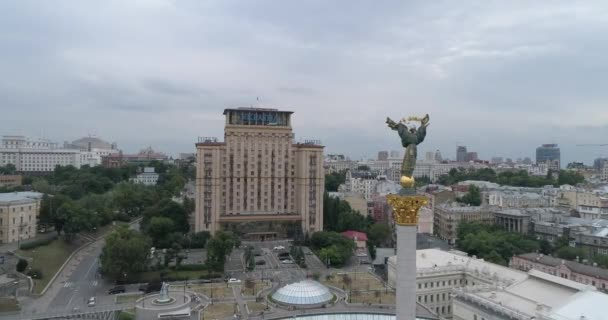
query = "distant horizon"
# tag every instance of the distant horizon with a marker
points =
(424, 149)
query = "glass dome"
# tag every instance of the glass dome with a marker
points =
(307, 292)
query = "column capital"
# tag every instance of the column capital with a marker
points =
(405, 208)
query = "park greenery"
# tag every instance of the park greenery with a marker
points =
(339, 216)
(331, 247)
(334, 180)
(496, 245)
(511, 178)
(125, 253)
(472, 198)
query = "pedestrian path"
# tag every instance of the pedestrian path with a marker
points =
(70, 284)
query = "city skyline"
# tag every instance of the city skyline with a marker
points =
(159, 72)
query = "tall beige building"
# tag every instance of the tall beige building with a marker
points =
(259, 183)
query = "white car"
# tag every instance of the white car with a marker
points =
(361, 254)
(287, 261)
(234, 280)
(279, 248)
(91, 302)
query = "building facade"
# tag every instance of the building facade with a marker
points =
(461, 154)
(11, 180)
(18, 215)
(512, 220)
(258, 182)
(446, 218)
(36, 156)
(148, 177)
(549, 154)
(575, 271)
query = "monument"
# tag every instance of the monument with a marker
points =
(405, 212)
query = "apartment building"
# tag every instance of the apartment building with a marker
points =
(18, 215)
(447, 217)
(259, 182)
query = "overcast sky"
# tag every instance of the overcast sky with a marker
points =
(500, 77)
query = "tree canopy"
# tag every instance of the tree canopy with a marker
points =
(125, 252)
(332, 247)
(518, 178)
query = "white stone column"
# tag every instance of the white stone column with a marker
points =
(406, 273)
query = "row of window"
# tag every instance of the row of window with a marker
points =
(22, 208)
(444, 283)
(15, 221)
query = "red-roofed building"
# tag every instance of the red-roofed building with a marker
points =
(360, 238)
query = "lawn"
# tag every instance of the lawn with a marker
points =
(8, 305)
(212, 290)
(48, 259)
(359, 281)
(259, 286)
(256, 307)
(128, 298)
(370, 297)
(218, 311)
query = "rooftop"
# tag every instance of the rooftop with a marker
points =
(355, 235)
(19, 196)
(572, 265)
(307, 292)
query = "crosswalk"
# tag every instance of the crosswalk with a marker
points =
(70, 284)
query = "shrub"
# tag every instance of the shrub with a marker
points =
(210, 275)
(21, 265)
(125, 316)
(35, 274)
(192, 267)
(37, 243)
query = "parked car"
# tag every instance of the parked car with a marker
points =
(117, 290)
(287, 261)
(91, 302)
(150, 287)
(234, 280)
(279, 248)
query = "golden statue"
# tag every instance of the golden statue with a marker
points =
(405, 207)
(410, 138)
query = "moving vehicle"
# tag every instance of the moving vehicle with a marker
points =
(287, 261)
(234, 280)
(279, 248)
(91, 302)
(117, 290)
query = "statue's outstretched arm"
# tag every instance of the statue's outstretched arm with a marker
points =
(391, 124)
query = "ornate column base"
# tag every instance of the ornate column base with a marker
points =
(405, 213)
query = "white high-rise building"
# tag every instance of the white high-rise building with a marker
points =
(40, 155)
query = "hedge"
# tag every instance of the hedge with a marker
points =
(37, 243)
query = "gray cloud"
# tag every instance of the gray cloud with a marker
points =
(500, 77)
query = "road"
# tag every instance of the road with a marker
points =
(80, 282)
(77, 282)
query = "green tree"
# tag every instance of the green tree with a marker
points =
(569, 177)
(21, 265)
(570, 253)
(158, 228)
(601, 260)
(379, 234)
(75, 219)
(472, 198)
(8, 169)
(218, 248)
(334, 180)
(125, 253)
